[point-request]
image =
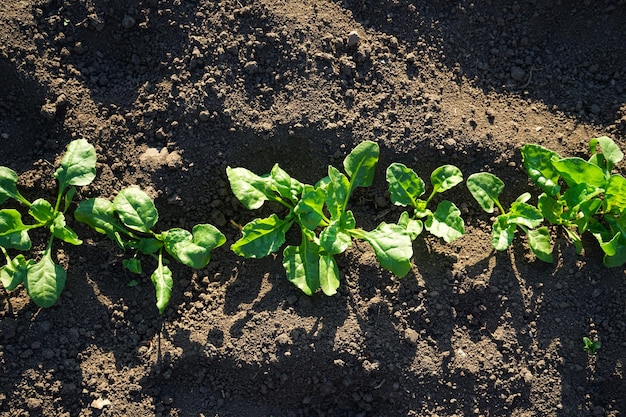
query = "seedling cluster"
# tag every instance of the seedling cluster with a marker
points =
(577, 195)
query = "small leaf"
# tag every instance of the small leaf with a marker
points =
(133, 265)
(393, 247)
(13, 233)
(163, 283)
(551, 209)
(302, 265)
(42, 211)
(310, 209)
(485, 189)
(286, 186)
(525, 215)
(446, 222)
(611, 154)
(405, 186)
(61, 231)
(615, 194)
(538, 164)
(262, 237)
(44, 282)
(149, 246)
(337, 192)
(360, 164)
(578, 171)
(502, 232)
(193, 249)
(8, 184)
(445, 177)
(329, 274)
(78, 166)
(98, 213)
(413, 226)
(250, 189)
(13, 273)
(334, 239)
(540, 243)
(135, 209)
(575, 239)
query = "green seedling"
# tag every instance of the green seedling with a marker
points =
(486, 189)
(594, 199)
(43, 280)
(591, 347)
(406, 188)
(129, 221)
(321, 212)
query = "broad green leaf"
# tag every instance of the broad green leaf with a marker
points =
(13, 233)
(42, 211)
(8, 184)
(78, 166)
(446, 222)
(540, 243)
(393, 247)
(133, 265)
(193, 249)
(585, 212)
(413, 226)
(538, 164)
(578, 171)
(337, 192)
(334, 239)
(611, 154)
(614, 250)
(360, 164)
(524, 214)
(98, 213)
(44, 281)
(310, 209)
(163, 282)
(329, 274)
(445, 177)
(485, 189)
(502, 232)
(551, 209)
(405, 186)
(578, 194)
(302, 265)
(60, 230)
(250, 189)
(135, 209)
(615, 194)
(13, 273)
(262, 237)
(149, 245)
(286, 186)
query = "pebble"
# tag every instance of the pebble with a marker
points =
(411, 336)
(518, 74)
(353, 38)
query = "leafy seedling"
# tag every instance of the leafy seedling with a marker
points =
(583, 195)
(43, 280)
(486, 189)
(406, 188)
(321, 212)
(129, 221)
(591, 347)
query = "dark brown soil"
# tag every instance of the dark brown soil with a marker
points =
(171, 92)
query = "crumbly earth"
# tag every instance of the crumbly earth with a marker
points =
(172, 92)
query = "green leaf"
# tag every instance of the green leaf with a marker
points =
(551, 209)
(337, 192)
(13, 233)
(310, 209)
(485, 189)
(575, 239)
(8, 184)
(586, 211)
(135, 209)
(133, 265)
(61, 231)
(98, 213)
(393, 247)
(78, 166)
(360, 164)
(524, 214)
(334, 239)
(578, 171)
(445, 177)
(405, 186)
(250, 189)
(163, 283)
(540, 243)
(262, 237)
(13, 273)
(193, 249)
(302, 264)
(615, 194)
(44, 281)
(329, 274)
(611, 154)
(413, 226)
(284, 185)
(42, 211)
(614, 249)
(149, 245)
(502, 232)
(538, 164)
(446, 222)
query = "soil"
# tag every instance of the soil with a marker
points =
(172, 92)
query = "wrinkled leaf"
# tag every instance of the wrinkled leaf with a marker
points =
(13, 273)
(502, 232)
(42, 211)
(193, 249)
(329, 274)
(44, 281)
(405, 186)
(250, 189)
(446, 222)
(551, 209)
(334, 239)
(98, 213)
(615, 194)
(286, 186)
(611, 154)
(337, 192)
(578, 171)
(360, 164)
(540, 243)
(538, 164)
(78, 166)
(13, 233)
(262, 237)
(413, 226)
(393, 247)
(310, 209)
(524, 214)
(301, 264)
(445, 177)
(163, 283)
(135, 209)
(485, 189)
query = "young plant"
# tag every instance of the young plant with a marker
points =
(321, 212)
(43, 279)
(486, 189)
(594, 198)
(591, 347)
(406, 188)
(129, 221)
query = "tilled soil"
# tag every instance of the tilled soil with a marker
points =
(172, 92)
